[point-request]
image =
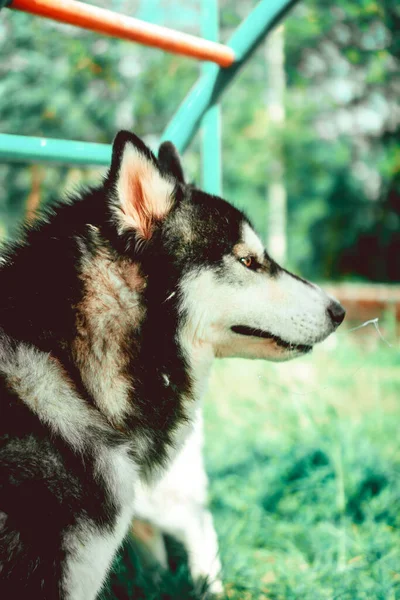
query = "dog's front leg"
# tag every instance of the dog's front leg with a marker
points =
(176, 505)
(198, 535)
(192, 525)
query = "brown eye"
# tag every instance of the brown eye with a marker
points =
(248, 262)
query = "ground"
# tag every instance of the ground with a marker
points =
(304, 466)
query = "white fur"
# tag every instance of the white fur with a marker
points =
(252, 241)
(38, 382)
(177, 505)
(91, 552)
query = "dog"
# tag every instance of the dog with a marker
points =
(112, 310)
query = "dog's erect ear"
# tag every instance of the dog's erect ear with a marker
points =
(143, 195)
(168, 158)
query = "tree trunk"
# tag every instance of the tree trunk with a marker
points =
(276, 192)
(33, 200)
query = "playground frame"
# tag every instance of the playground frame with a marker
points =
(199, 106)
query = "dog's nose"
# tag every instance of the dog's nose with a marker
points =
(336, 312)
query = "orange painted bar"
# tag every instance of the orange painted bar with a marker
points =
(113, 24)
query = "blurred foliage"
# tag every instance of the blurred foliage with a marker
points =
(332, 155)
(340, 143)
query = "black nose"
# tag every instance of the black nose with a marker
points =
(336, 312)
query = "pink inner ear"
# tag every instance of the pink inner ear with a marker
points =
(144, 194)
(136, 207)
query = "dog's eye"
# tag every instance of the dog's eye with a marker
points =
(249, 262)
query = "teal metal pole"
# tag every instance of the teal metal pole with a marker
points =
(210, 86)
(186, 121)
(21, 148)
(211, 123)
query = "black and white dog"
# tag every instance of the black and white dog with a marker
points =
(111, 312)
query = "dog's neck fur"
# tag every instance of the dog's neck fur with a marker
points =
(123, 352)
(141, 370)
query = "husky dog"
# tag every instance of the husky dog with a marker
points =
(111, 312)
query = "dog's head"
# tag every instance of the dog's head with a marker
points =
(233, 298)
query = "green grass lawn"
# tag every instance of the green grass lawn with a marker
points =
(304, 466)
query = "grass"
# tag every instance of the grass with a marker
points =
(304, 467)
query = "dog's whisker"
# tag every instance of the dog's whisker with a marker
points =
(375, 323)
(370, 322)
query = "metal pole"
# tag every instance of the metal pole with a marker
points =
(22, 148)
(276, 190)
(124, 27)
(186, 121)
(211, 122)
(209, 88)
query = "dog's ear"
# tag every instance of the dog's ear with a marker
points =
(170, 162)
(142, 193)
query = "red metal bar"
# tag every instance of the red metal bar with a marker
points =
(113, 24)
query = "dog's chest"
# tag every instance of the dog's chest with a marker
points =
(181, 433)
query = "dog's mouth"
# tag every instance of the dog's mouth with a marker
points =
(260, 333)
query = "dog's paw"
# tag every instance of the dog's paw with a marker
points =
(216, 588)
(209, 589)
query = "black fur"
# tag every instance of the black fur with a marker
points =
(169, 162)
